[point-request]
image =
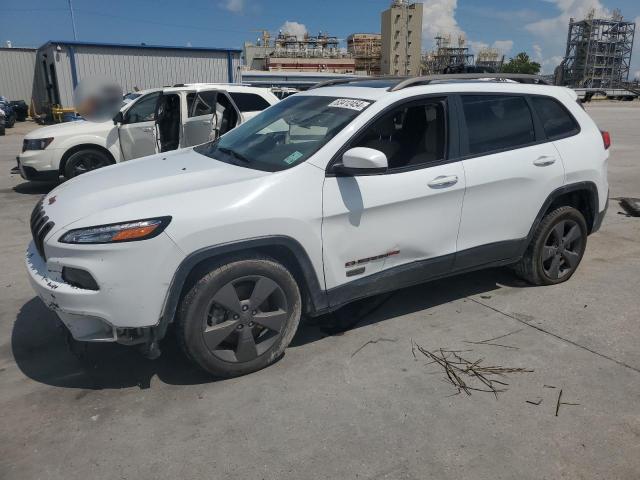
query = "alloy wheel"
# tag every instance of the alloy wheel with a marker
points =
(562, 249)
(245, 318)
(87, 163)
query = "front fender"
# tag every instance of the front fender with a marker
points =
(110, 142)
(317, 296)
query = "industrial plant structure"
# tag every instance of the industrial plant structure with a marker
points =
(366, 49)
(401, 39)
(598, 52)
(447, 54)
(490, 58)
(288, 52)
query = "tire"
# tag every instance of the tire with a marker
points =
(228, 327)
(556, 249)
(11, 121)
(2, 131)
(84, 161)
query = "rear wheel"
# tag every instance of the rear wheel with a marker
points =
(240, 316)
(556, 249)
(84, 161)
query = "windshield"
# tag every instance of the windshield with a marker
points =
(286, 134)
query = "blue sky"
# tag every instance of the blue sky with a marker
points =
(538, 27)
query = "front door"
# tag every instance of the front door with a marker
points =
(403, 222)
(137, 131)
(510, 173)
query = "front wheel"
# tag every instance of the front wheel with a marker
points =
(84, 161)
(556, 249)
(239, 317)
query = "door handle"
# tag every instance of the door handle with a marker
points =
(544, 161)
(443, 181)
(147, 129)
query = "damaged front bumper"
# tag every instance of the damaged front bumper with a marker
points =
(126, 302)
(66, 301)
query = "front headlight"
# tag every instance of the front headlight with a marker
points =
(118, 232)
(36, 143)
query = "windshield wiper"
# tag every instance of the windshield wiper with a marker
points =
(234, 154)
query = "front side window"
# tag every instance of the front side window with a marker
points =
(497, 122)
(143, 110)
(286, 134)
(556, 120)
(409, 136)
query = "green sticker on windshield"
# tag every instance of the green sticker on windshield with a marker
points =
(294, 157)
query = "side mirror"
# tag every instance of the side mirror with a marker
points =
(361, 160)
(119, 118)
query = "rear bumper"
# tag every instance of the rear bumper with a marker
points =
(597, 222)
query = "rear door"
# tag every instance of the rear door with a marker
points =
(199, 123)
(137, 131)
(510, 171)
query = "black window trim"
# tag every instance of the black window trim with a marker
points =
(540, 135)
(452, 136)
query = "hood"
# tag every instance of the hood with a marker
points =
(142, 180)
(66, 129)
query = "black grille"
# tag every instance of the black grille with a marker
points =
(40, 226)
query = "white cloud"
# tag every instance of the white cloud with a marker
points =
(555, 28)
(294, 28)
(537, 53)
(439, 17)
(505, 46)
(235, 6)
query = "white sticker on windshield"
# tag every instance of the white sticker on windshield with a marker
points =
(294, 157)
(350, 103)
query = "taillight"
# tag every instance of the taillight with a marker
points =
(606, 138)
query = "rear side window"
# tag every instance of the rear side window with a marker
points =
(204, 103)
(249, 102)
(555, 118)
(497, 122)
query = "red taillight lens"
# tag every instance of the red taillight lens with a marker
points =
(606, 138)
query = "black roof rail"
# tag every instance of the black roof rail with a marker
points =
(426, 80)
(339, 81)
(335, 81)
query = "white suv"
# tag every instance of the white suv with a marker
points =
(157, 120)
(330, 196)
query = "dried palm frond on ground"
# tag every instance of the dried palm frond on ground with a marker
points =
(465, 375)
